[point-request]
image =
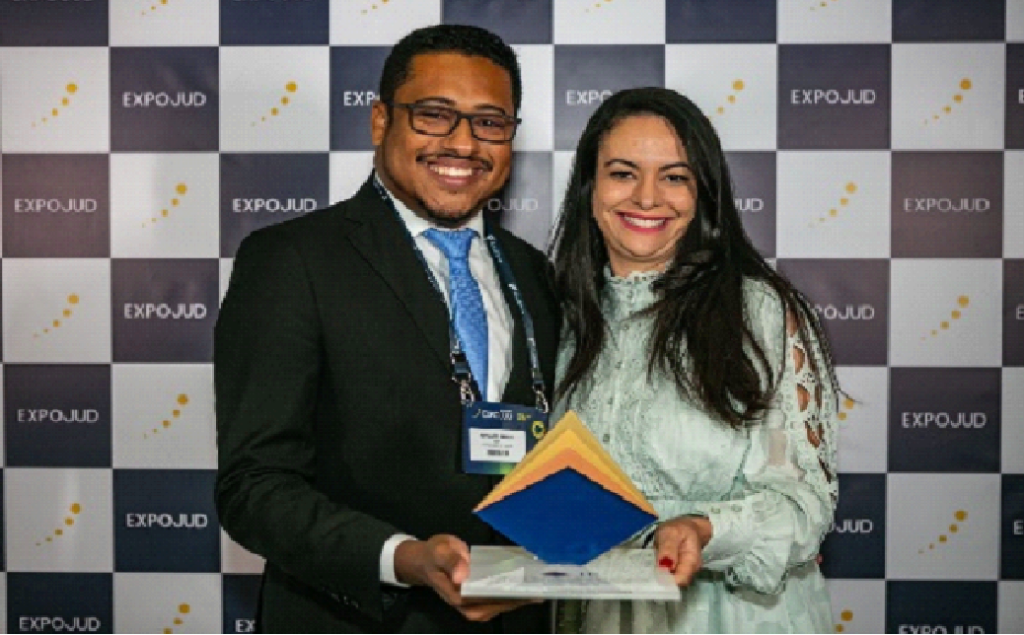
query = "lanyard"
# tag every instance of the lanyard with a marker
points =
(460, 366)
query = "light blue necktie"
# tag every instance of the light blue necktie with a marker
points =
(467, 305)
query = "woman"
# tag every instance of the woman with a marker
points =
(702, 370)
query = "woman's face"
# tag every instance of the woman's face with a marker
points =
(645, 194)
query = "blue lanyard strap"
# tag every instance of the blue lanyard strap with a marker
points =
(460, 366)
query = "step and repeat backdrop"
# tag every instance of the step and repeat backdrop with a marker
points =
(878, 149)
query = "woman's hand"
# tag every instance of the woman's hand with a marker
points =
(678, 543)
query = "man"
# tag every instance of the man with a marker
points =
(339, 426)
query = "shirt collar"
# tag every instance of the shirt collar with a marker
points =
(417, 224)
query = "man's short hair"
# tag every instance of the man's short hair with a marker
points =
(448, 38)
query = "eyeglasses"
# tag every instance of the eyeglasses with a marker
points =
(441, 121)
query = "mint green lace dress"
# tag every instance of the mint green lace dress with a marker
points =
(769, 491)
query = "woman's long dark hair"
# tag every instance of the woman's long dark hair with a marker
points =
(700, 312)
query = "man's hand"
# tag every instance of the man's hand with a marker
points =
(442, 563)
(678, 543)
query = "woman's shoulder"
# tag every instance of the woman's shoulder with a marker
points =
(761, 298)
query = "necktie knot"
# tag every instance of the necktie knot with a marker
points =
(453, 244)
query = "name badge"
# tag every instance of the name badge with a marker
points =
(496, 436)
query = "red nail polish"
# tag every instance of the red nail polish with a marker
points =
(666, 563)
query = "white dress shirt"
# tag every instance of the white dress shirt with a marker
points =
(499, 325)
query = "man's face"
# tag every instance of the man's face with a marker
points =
(445, 179)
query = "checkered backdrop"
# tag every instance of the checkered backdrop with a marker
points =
(878, 148)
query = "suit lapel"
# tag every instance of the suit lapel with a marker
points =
(384, 242)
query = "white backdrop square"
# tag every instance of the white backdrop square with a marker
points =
(163, 416)
(537, 63)
(561, 167)
(380, 22)
(833, 205)
(59, 520)
(167, 603)
(856, 605)
(224, 266)
(863, 432)
(948, 96)
(1015, 20)
(735, 86)
(164, 205)
(1012, 421)
(922, 508)
(37, 293)
(817, 22)
(167, 23)
(37, 82)
(1013, 205)
(257, 82)
(348, 172)
(602, 22)
(927, 294)
(1011, 598)
(236, 559)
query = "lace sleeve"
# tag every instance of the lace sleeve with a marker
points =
(787, 496)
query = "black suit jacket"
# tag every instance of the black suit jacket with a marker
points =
(338, 423)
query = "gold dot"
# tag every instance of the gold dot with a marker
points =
(954, 528)
(58, 532)
(167, 630)
(284, 101)
(55, 112)
(841, 416)
(947, 109)
(72, 88)
(848, 403)
(721, 110)
(67, 313)
(46, 330)
(738, 84)
(164, 213)
(183, 399)
(177, 620)
(960, 515)
(963, 301)
(174, 202)
(184, 608)
(935, 116)
(69, 521)
(155, 430)
(176, 413)
(65, 101)
(56, 324)
(73, 299)
(273, 112)
(76, 508)
(931, 545)
(942, 538)
(167, 424)
(163, 1)
(291, 87)
(181, 188)
(958, 98)
(944, 325)
(263, 118)
(955, 314)
(934, 332)
(839, 628)
(844, 201)
(833, 212)
(965, 84)
(45, 119)
(846, 616)
(49, 539)
(732, 99)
